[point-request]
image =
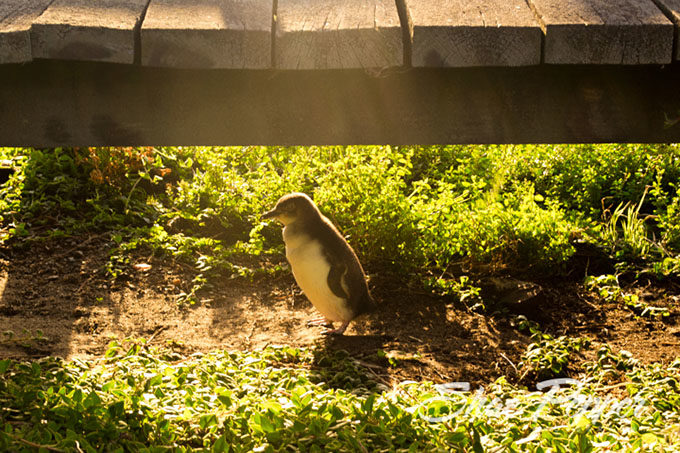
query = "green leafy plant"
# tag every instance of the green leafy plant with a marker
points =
(143, 398)
(608, 360)
(607, 286)
(548, 357)
(462, 289)
(26, 338)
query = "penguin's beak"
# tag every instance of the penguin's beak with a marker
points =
(270, 214)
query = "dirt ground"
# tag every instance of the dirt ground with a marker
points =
(60, 288)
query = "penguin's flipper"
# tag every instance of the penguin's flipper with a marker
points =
(336, 279)
(337, 274)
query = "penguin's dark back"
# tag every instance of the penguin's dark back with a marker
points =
(324, 230)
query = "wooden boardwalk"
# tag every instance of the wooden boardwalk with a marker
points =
(133, 72)
(341, 34)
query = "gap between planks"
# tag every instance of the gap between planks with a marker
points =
(542, 26)
(275, 10)
(138, 35)
(406, 32)
(675, 19)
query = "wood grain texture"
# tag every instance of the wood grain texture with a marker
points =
(16, 17)
(332, 34)
(604, 32)
(462, 33)
(208, 34)
(91, 30)
(672, 10)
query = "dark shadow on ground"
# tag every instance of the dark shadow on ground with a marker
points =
(53, 288)
(418, 336)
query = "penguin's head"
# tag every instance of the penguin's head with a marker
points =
(291, 208)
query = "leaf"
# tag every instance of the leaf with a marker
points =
(220, 445)
(116, 409)
(650, 439)
(367, 405)
(77, 395)
(91, 400)
(476, 440)
(262, 423)
(635, 425)
(207, 420)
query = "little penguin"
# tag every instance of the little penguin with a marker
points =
(323, 263)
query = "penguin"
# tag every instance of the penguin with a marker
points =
(323, 263)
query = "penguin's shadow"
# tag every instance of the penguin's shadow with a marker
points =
(400, 321)
(356, 341)
(408, 317)
(426, 332)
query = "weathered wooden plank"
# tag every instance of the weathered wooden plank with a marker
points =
(208, 34)
(16, 17)
(604, 32)
(332, 34)
(93, 30)
(462, 33)
(58, 103)
(672, 10)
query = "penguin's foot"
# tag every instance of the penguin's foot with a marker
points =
(320, 322)
(339, 331)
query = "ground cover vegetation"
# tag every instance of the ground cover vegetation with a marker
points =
(438, 219)
(146, 399)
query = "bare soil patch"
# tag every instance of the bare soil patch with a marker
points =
(60, 288)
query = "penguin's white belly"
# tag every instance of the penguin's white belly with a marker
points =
(310, 270)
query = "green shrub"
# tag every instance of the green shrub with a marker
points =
(586, 177)
(420, 211)
(364, 191)
(73, 190)
(669, 224)
(508, 230)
